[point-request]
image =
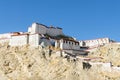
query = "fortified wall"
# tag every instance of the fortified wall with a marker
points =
(24, 39)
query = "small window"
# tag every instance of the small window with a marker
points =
(69, 42)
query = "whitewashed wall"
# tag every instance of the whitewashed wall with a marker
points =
(37, 28)
(34, 39)
(6, 35)
(66, 44)
(19, 40)
(70, 45)
(42, 29)
(96, 42)
(57, 44)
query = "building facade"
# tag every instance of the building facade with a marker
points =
(95, 42)
(43, 29)
(67, 44)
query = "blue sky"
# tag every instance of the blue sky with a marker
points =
(83, 19)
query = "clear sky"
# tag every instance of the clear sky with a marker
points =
(83, 19)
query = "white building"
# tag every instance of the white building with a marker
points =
(24, 39)
(70, 47)
(67, 44)
(7, 36)
(43, 29)
(33, 36)
(29, 39)
(34, 39)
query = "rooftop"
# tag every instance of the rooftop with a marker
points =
(47, 26)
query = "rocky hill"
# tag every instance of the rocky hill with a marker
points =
(28, 63)
(109, 53)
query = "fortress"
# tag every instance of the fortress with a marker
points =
(39, 34)
(43, 29)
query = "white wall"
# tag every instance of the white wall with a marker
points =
(104, 66)
(37, 28)
(19, 40)
(34, 39)
(96, 42)
(42, 29)
(57, 44)
(66, 44)
(6, 35)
